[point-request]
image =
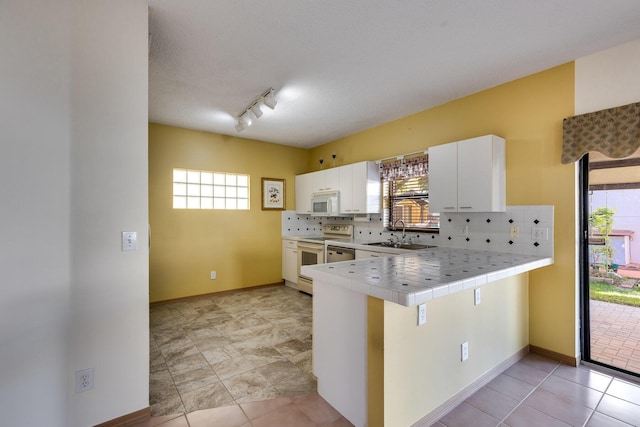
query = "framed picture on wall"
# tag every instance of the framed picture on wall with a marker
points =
(273, 192)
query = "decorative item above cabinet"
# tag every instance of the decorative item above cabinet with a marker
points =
(468, 176)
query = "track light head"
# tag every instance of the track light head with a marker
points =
(269, 100)
(255, 109)
(244, 121)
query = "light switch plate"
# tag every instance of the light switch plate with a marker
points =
(464, 351)
(129, 241)
(476, 296)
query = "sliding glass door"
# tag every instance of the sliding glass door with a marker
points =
(610, 267)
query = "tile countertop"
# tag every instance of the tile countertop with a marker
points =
(419, 276)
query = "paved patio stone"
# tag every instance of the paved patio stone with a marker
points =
(615, 335)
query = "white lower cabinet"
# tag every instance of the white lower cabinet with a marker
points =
(290, 262)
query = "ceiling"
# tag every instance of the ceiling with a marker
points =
(340, 67)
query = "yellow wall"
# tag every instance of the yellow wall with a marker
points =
(422, 366)
(244, 247)
(528, 113)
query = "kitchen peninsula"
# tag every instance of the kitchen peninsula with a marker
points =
(377, 366)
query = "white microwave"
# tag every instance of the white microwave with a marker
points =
(325, 203)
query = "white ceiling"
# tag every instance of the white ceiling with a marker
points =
(343, 66)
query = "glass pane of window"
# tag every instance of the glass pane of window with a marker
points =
(231, 179)
(206, 190)
(218, 203)
(219, 179)
(407, 200)
(243, 204)
(193, 177)
(243, 193)
(206, 178)
(243, 180)
(179, 189)
(193, 189)
(219, 191)
(193, 202)
(231, 191)
(206, 203)
(179, 202)
(231, 204)
(179, 175)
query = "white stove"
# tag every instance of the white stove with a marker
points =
(331, 232)
(311, 250)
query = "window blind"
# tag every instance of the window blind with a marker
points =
(406, 196)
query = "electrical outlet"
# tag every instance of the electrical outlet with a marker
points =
(464, 350)
(540, 233)
(462, 231)
(422, 314)
(515, 232)
(476, 296)
(84, 380)
(213, 275)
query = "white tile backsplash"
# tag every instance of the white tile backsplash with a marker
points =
(485, 231)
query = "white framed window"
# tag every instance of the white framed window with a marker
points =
(196, 189)
(405, 184)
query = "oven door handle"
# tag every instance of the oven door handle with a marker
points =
(310, 246)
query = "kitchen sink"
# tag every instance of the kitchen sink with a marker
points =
(410, 246)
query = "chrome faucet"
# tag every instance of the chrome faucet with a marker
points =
(404, 227)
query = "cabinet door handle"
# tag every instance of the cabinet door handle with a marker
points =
(449, 207)
(465, 207)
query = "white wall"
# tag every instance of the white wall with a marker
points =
(34, 211)
(109, 194)
(608, 79)
(73, 104)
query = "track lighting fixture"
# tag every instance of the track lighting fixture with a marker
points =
(255, 109)
(244, 121)
(267, 98)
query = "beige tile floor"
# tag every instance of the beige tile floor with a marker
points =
(244, 360)
(308, 410)
(540, 392)
(233, 348)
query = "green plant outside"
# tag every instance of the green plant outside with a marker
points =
(601, 291)
(601, 220)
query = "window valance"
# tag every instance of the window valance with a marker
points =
(405, 167)
(614, 132)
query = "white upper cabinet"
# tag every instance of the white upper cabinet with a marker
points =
(443, 178)
(325, 180)
(313, 182)
(303, 192)
(331, 179)
(468, 176)
(358, 184)
(360, 188)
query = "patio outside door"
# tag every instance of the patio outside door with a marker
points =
(610, 245)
